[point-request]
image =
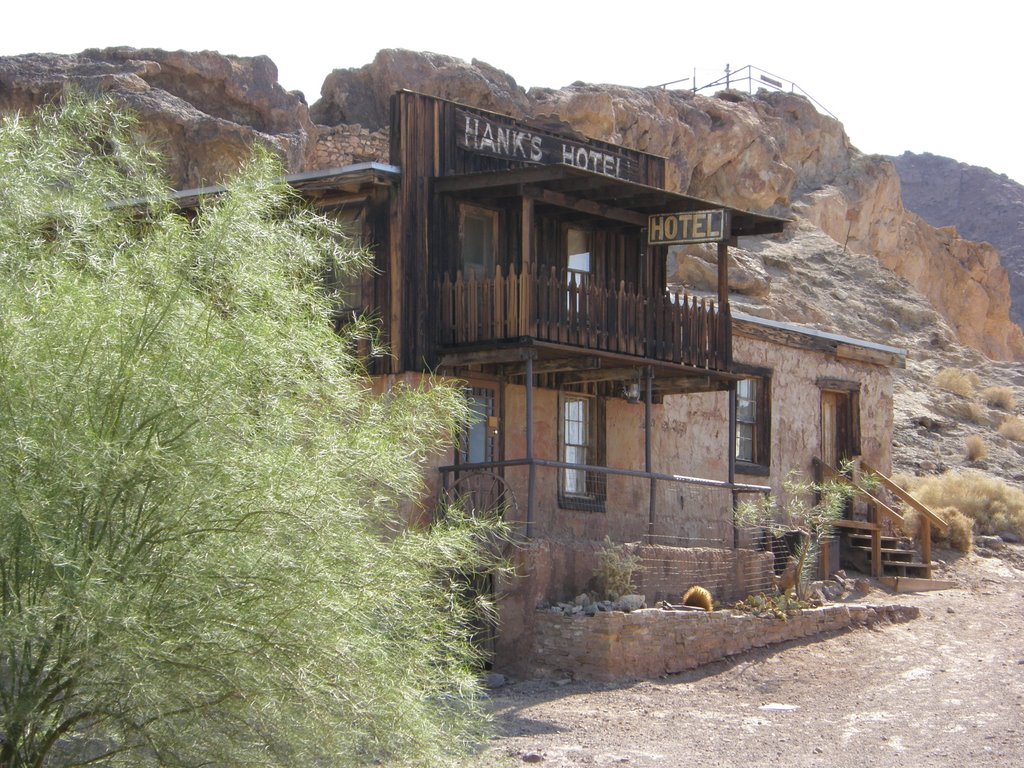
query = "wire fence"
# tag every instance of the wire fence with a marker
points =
(681, 528)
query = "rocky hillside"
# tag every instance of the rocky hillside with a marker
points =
(854, 261)
(980, 204)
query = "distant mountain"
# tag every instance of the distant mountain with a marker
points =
(981, 204)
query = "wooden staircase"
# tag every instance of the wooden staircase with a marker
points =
(875, 545)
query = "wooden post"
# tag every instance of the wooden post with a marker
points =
(876, 542)
(926, 544)
(526, 259)
(648, 452)
(532, 481)
(723, 274)
(731, 454)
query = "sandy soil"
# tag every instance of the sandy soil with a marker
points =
(946, 689)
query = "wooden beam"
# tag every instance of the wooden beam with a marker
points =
(476, 181)
(482, 357)
(586, 206)
(689, 385)
(867, 355)
(601, 374)
(554, 365)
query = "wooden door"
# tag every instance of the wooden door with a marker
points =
(839, 427)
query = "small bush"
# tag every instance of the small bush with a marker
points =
(1012, 428)
(959, 535)
(999, 397)
(961, 529)
(976, 448)
(968, 410)
(957, 381)
(614, 571)
(994, 505)
(911, 522)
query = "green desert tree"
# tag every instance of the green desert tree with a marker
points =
(202, 560)
(812, 522)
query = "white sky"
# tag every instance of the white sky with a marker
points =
(929, 77)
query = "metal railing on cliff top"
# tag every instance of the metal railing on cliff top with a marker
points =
(751, 75)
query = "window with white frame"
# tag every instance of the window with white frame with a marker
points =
(580, 437)
(753, 424)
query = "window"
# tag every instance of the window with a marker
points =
(578, 254)
(478, 443)
(581, 442)
(478, 239)
(578, 261)
(753, 425)
(346, 284)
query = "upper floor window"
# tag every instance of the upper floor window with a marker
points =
(478, 240)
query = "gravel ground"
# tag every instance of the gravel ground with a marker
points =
(946, 689)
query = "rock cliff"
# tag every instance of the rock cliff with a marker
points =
(203, 109)
(981, 204)
(769, 152)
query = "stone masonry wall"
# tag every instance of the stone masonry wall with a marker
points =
(348, 144)
(651, 643)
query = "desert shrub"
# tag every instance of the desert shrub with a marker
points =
(957, 381)
(911, 522)
(1012, 428)
(968, 410)
(976, 448)
(993, 504)
(999, 397)
(958, 536)
(614, 571)
(961, 529)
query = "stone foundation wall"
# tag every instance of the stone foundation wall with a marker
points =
(651, 643)
(551, 570)
(344, 145)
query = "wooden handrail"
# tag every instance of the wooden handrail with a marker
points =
(556, 305)
(906, 498)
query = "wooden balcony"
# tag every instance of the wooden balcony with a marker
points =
(552, 305)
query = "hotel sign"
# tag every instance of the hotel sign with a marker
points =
(690, 227)
(511, 141)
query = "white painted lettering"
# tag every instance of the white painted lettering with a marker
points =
(567, 154)
(517, 144)
(536, 152)
(503, 140)
(471, 132)
(671, 227)
(487, 140)
(700, 221)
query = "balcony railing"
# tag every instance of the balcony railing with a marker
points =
(568, 308)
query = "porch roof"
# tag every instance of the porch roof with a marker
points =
(597, 194)
(577, 365)
(348, 178)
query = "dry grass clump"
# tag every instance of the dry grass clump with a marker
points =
(1012, 428)
(999, 397)
(968, 410)
(958, 381)
(976, 448)
(959, 536)
(993, 505)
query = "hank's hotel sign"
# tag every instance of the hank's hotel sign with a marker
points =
(511, 141)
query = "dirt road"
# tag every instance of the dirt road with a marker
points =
(946, 689)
